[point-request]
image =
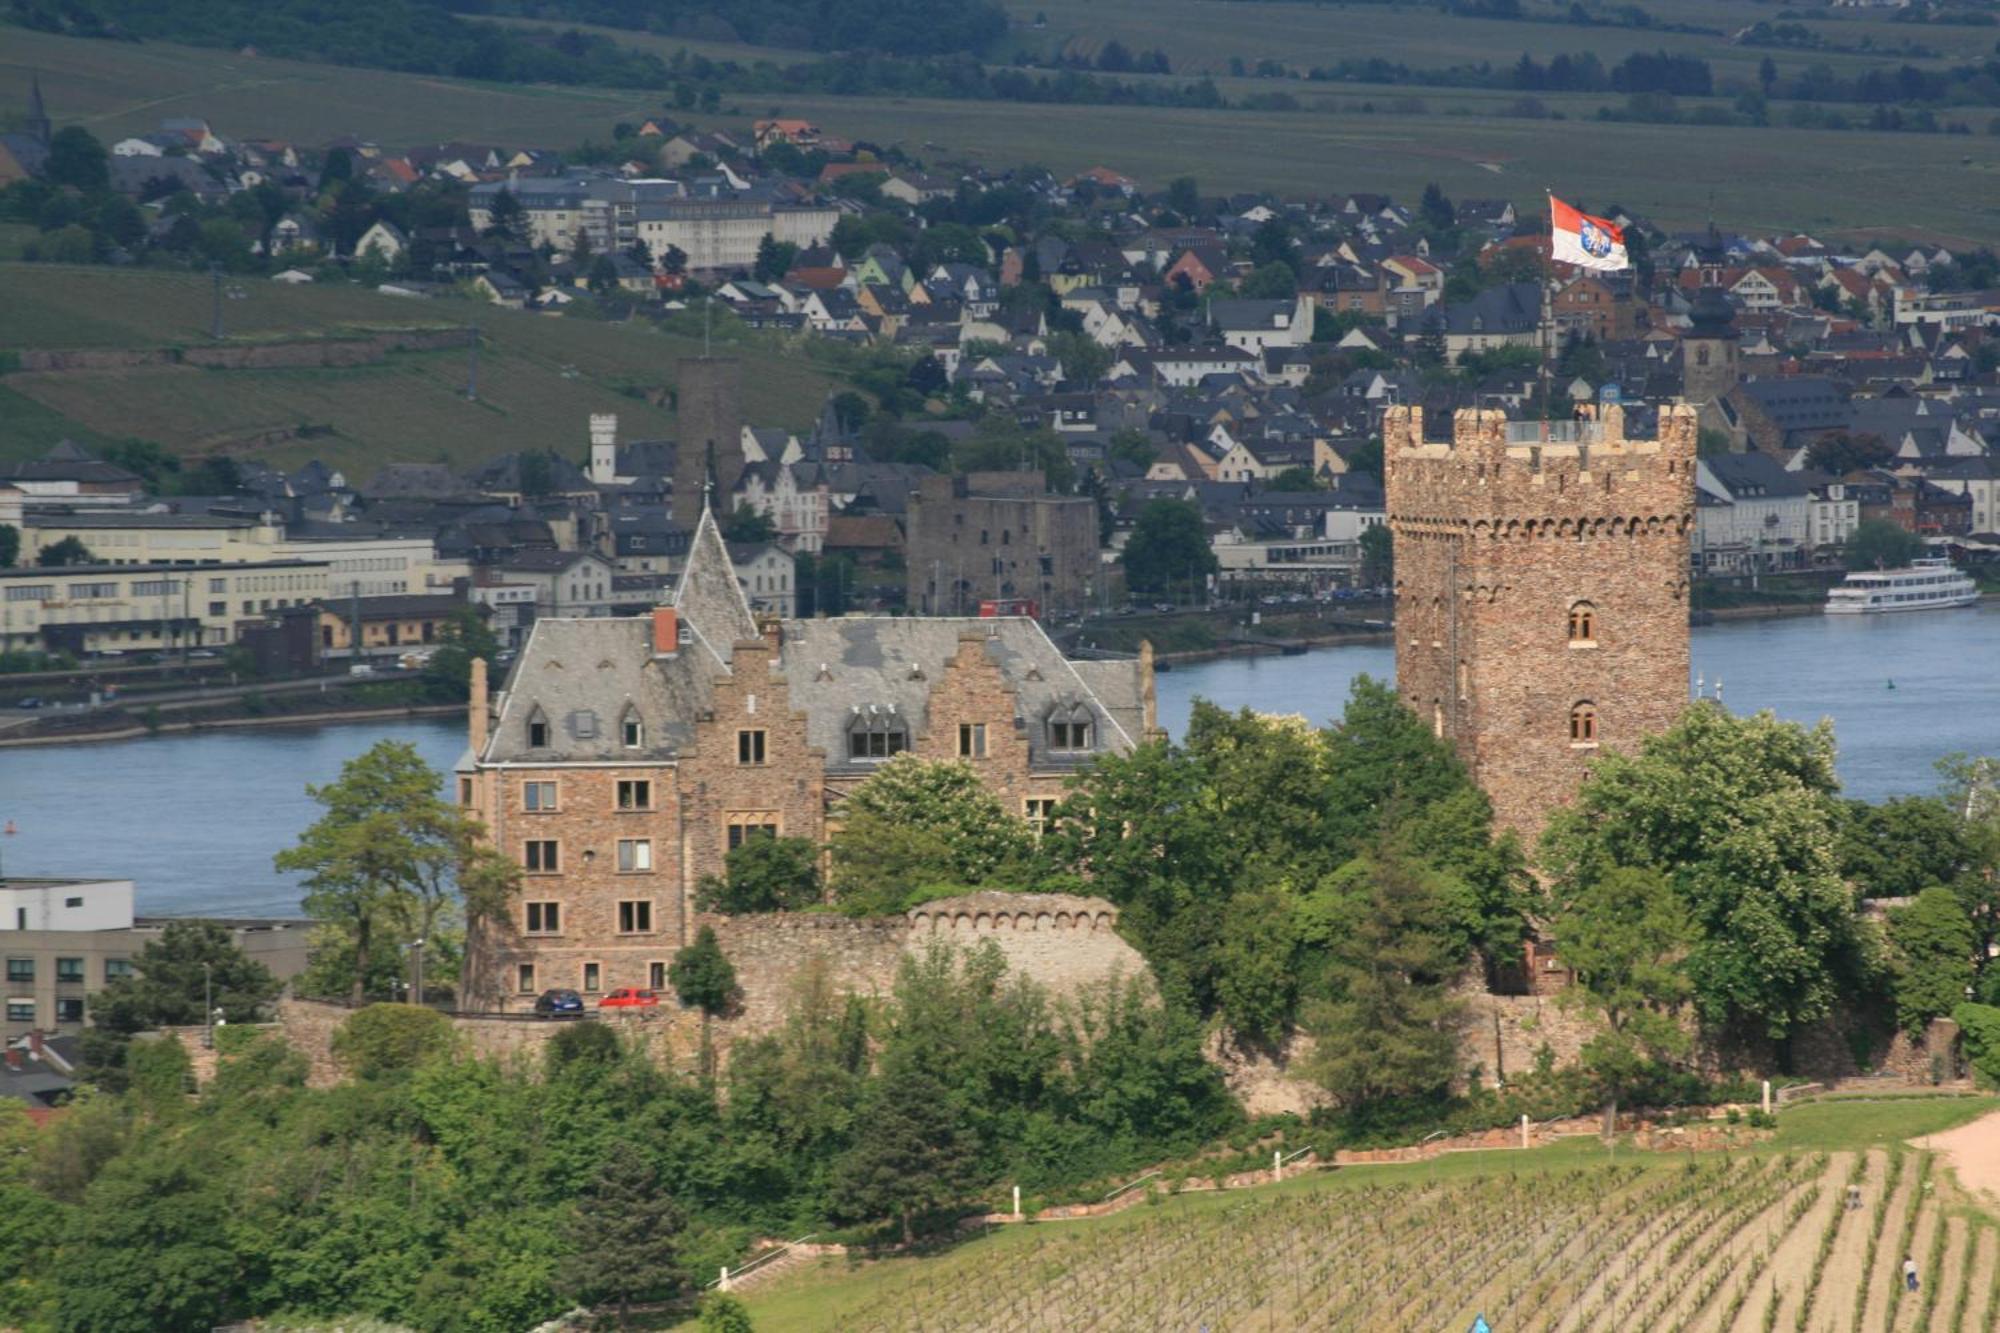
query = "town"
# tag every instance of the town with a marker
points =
(818, 871)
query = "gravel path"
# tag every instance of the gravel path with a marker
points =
(1973, 1151)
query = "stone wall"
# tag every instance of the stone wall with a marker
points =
(308, 353)
(1061, 941)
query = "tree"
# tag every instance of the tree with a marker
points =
(1084, 360)
(1132, 446)
(918, 826)
(774, 258)
(1274, 281)
(633, 1236)
(389, 1039)
(764, 875)
(1378, 566)
(149, 1252)
(724, 1313)
(68, 551)
(1168, 546)
(1932, 941)
(447, 676)
(1879, 544)
(10, 545)
(174, 975)
(1739, 814)
(1839, 453)
(1626, 933)
(508, 219)
(1436, 210)
(1903, 846)
(909, 1153)
(745, 524)
(77, 159)
(1298, 477)
(1767, 75)
(386, 864)
(603, 276)
(1389, 1030)
(702, 975)
(673, 261)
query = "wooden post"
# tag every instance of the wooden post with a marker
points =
(1524, 1129)
(1767, 1096)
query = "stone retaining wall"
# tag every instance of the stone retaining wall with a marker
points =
(280, 354)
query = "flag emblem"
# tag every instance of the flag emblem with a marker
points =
(1575, 237)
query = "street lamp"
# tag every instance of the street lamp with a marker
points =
(417, 970)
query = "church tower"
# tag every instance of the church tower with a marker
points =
(1541, 591)
(1708, 349)
(39, 127)
(709, 405)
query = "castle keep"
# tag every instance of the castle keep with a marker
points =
(1541, 591)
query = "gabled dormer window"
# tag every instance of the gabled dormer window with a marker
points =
(631, 731)
(538, 729)
(1070, 728)
(875, 732)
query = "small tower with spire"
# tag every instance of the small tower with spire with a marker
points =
(38, 127)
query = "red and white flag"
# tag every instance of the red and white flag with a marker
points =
(1587, 242)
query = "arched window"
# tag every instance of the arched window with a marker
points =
(1582, 623)
(1583, 724)
(875, 732)
(1071, 727)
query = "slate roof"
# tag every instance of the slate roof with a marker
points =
(709, 597)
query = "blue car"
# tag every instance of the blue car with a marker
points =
(559, 1002)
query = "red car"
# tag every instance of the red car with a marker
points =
(630, 997)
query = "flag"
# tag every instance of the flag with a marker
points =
(1585, 241)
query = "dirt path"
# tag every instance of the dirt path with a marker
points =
(1885, 1271)
(1951, 1277)
(1973, 1151)
(1784, 1276)
(1979, 1311)
(1833, 1311)
(1909, 1304)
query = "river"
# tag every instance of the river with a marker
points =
(195, 819)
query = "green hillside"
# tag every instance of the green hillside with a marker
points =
(539, 377)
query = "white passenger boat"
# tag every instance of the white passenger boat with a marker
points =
(1924, 586)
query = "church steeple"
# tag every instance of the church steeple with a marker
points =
(39, 127)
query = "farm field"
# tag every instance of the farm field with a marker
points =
(539, 377)
(1946, 188)
(1200, 36)
(1556, 1240)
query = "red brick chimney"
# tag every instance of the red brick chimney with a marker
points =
(13, 1058)
(666, 631)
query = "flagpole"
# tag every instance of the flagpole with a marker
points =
(1548, 313)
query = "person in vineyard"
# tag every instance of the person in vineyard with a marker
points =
(1910, 1272)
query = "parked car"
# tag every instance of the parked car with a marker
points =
(630, 997)
(558, 1002)
(30, 702)
(361, 669)
(1164, 608)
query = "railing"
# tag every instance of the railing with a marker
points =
(725, 1277)
(1130, 1184)
(1554, 432)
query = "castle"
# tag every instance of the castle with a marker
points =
(1541, 591)
(626, 757)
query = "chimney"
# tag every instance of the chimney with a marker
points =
(475, 708)
(13, 1058)
(1149, 703)
(666, 631)
(35, 1045)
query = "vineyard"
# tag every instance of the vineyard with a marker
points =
(1752, 1243)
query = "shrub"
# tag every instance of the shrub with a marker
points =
(390, 1039)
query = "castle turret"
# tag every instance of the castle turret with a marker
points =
(603, 448)
(1541, 591)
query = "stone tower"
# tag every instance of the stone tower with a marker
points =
(1708, 349)
(603, 448)
(710, 409)
(1541, 591)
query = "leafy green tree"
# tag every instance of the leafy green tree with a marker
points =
(702, 976)
(389, 863)
(508, 220)
(1932, 943)
(149, 1252)
(602, 275)
(1981, 1025)
(1839, 452)
(909, 1154)
(1879, 544)
(447, 676)
(1298, 477)
(1972, 788)
(1388, 1030)
(1435, 210)
(1740, 814)
(68, 551)
(1132, 446)
(1274, 281)
(764, 875)
(774, 258)
(1084, 360)
(1626, 934)
(745, 524)
(1903, 846)
(633, 1237)
(724, 1313)
(78, 159)
(10, 545)
(1168, 547)
(173, 973)
(1378, 561)
(390, 1039)
(918, 825)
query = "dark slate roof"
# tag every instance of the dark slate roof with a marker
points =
(709, 597)
(1755, 475)
(1514, 307)
(1803, 402)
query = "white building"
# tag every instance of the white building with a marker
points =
(1751, 515)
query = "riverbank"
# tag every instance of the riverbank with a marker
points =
(121, 726)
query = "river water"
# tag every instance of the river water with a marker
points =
(195, 819)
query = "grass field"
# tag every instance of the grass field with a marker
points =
(1555, 1239)
(539, 377)
(1923, 186)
